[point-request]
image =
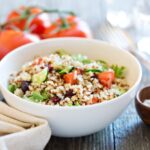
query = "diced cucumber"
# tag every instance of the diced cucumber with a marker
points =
(40, 77)
(36, 96)
(12, 88)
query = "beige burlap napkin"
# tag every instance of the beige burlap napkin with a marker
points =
(21, 131)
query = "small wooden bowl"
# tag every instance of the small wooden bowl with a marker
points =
(143, 111)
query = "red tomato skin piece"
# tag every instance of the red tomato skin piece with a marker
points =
(77, 28)
(95, 100)
(70, 77)
(106, 78)
(37, 26)
(10, 39)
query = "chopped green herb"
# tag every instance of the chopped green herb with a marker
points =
(12, 88)
(93, 70)
(65, 70)
(104, 64)
(119, 71)
(45, 94)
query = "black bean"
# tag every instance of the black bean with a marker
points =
(69, 93)
(55, 99)
(25, 86)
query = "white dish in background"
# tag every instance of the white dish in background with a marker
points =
(77, 120)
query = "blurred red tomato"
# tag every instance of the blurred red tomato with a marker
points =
(10, 39)
(70, 26)
(37, 25)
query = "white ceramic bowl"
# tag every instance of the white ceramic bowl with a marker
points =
(77, 120)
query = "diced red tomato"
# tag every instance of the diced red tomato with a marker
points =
(95, 100)
(106, 78)
(70, 77)
(11, 39)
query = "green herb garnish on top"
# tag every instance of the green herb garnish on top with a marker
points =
(93, 70)
(104, 64)
(65, 70)
(119, 71)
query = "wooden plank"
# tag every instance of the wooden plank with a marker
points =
(129, 131)
(102, 140)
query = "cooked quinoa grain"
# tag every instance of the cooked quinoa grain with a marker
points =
(68, 80)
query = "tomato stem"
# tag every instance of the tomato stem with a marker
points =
(59, 12)
(65, 24)
(26, 14)
(29, 20)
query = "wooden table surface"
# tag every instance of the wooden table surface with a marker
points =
(128, 132)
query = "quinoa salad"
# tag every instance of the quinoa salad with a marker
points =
(68, 80)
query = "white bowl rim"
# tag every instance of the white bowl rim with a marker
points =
(74, 107)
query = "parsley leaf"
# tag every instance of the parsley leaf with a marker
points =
(93, 70)
(104, 64)
(119, 71)
(65, 70)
